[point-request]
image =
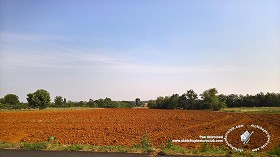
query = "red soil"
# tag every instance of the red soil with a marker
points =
(127, 126)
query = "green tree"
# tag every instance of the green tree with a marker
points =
(58, 101)
(188, 100)
(152, 104)
(1, 100)
(172, 102)
(161, 102)
(39, 99)
(191, 99)
(182, 102)
(11, 99)
(91, 103)
(211, 100)
(137, 102)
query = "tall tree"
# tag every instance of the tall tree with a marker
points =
(191, 99)
(172, 102)
(39, 99)
(11, 99)
(137, 102)
(58, 100)
(91, 103)
(211, 100)
(182, 102)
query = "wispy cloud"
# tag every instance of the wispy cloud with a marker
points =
(19, 37)
(61, 57)
(90, 60)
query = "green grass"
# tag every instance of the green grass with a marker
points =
(250, 154)
(207, 149)
(275, 152)
(171, 149)
(168, 149)
(34, 146)
(258, 110)
(106, 148)
(75, 147)
(5, 145)
(69, 108)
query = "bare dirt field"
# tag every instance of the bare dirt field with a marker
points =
(127, 126)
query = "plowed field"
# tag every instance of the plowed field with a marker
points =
(127, 126)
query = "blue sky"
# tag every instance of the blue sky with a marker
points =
(126, 49)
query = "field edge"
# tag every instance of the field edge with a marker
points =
(138, 149)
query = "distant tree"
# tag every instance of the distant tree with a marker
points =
(260, 100)
(107, 102)
(272, 99)
(211, 100)
(58, 101)
(191, 99)
(152, 104)
(91, 103)
(1, 100)
(64, 101)
(137, 102)
(11, 99)
(222, 97)
(161, 102)
(182, 102)
(81, 103)
(188, 100)
(39, 99)
(172, 102)
(124, 104)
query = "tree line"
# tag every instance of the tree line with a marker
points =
(41, 99)
(209, 99)
(189, 101)
(258, 100)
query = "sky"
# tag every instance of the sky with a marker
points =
(125, 49)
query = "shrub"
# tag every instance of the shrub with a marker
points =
(34, 146)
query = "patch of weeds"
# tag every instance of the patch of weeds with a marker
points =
(144, 144)
(275, 152)
(105, 148)
(56, 146)
(74, 147)
(204, 147)
(169, 148)
(34, 146)
(210, 149)
(4, 145)
(248, 153)
(111, 149)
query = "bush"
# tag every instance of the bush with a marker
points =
(16, 106)
(34, 146)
